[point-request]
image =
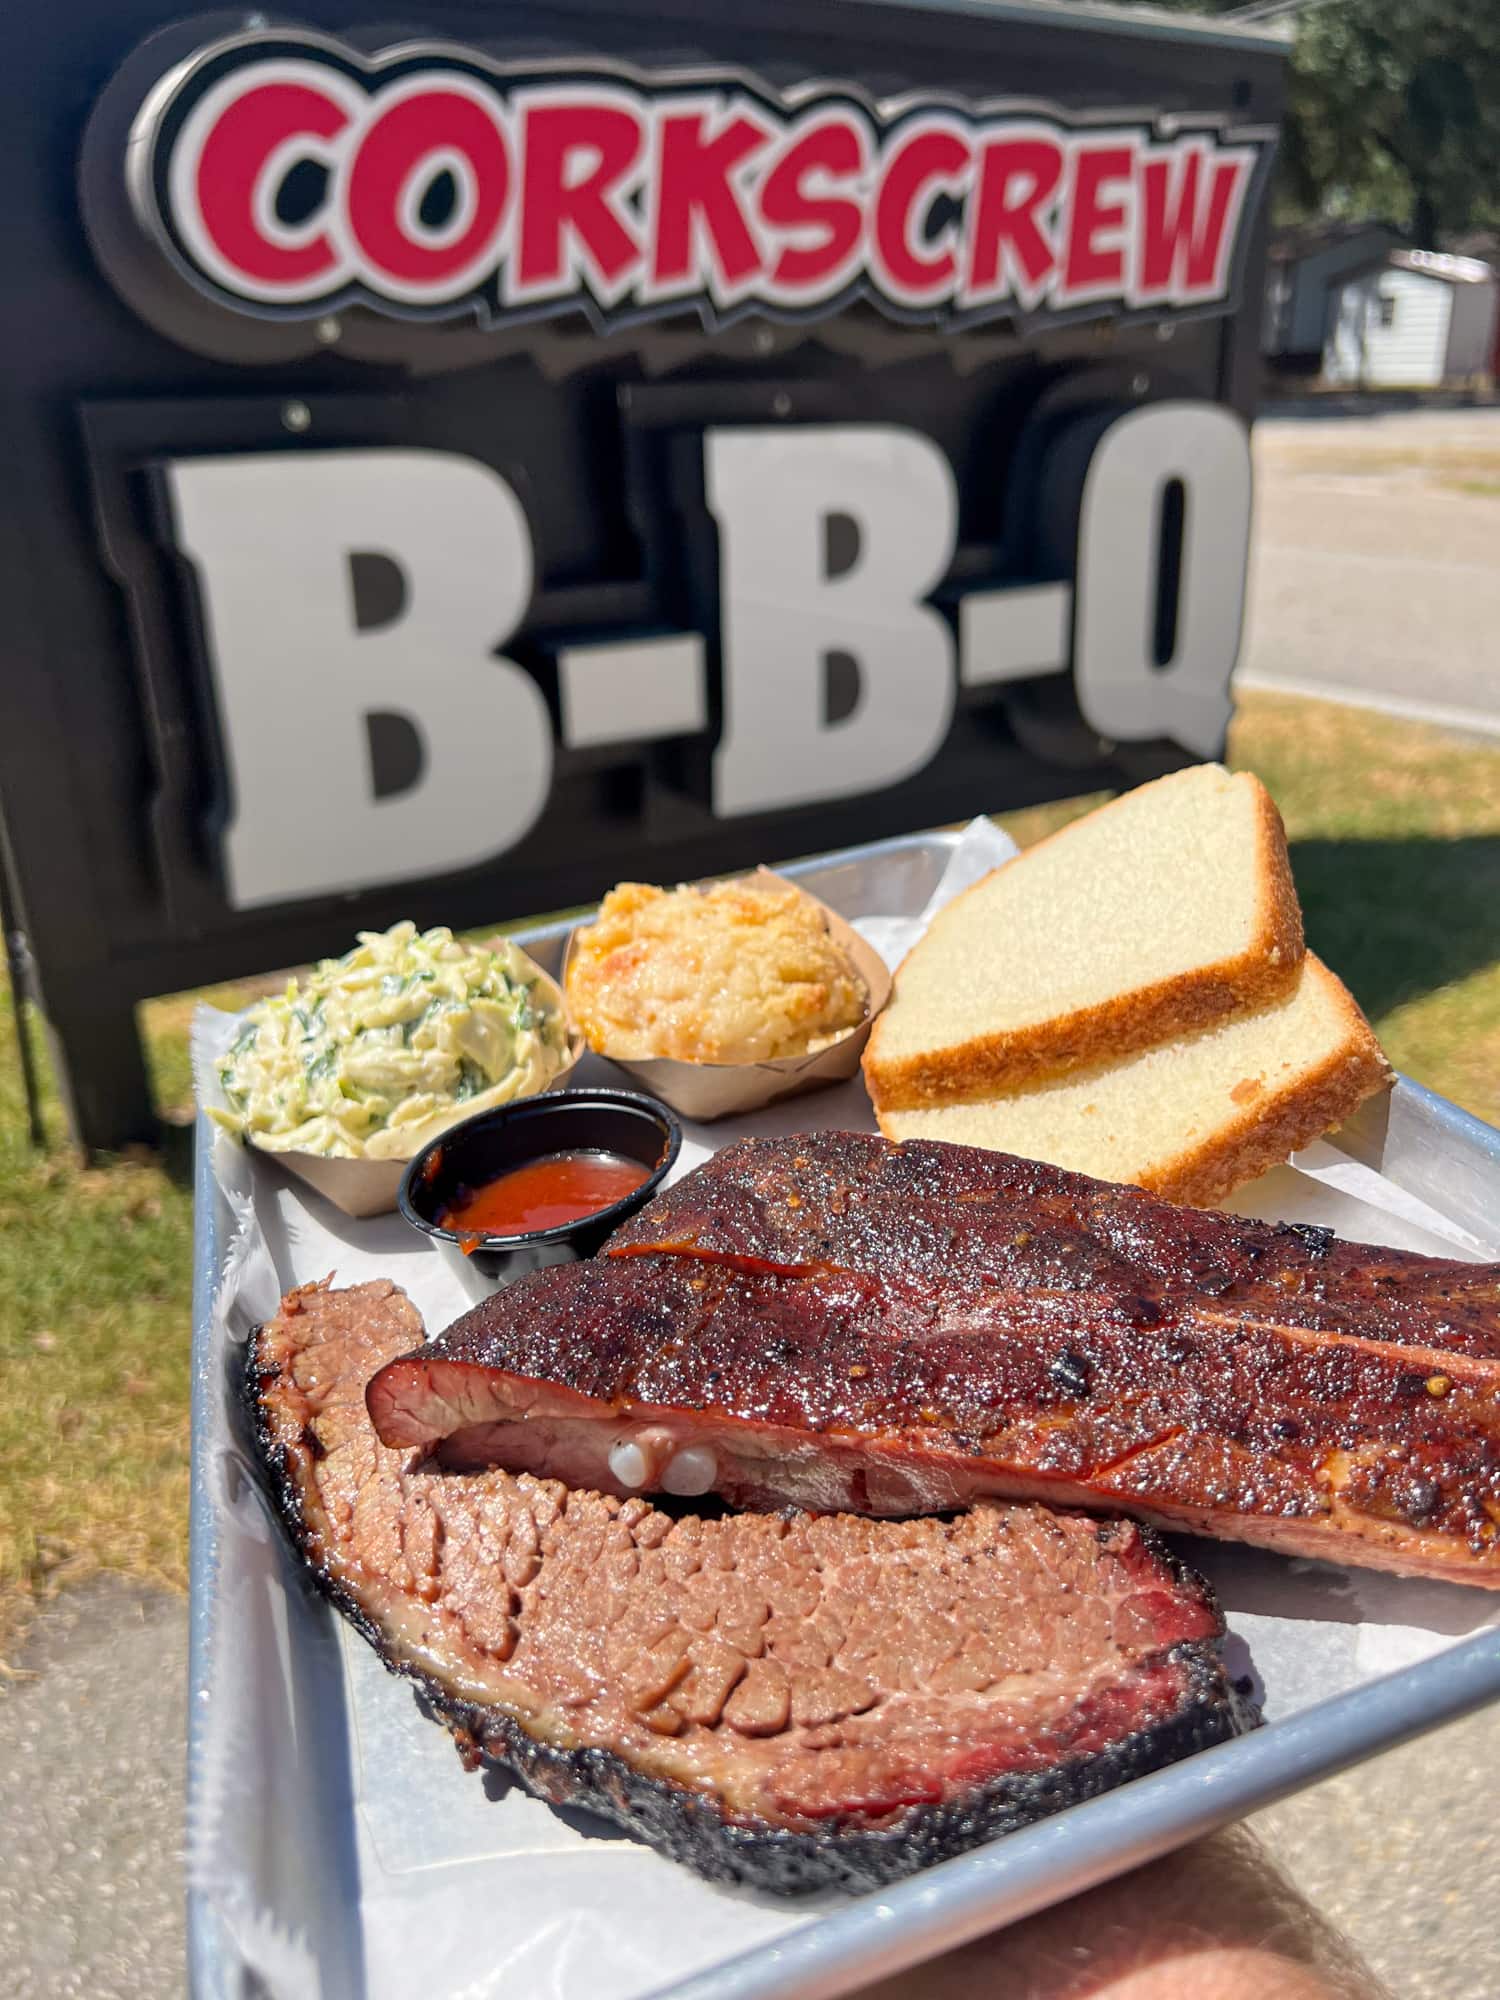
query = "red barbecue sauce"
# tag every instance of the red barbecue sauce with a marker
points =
(559, 1187)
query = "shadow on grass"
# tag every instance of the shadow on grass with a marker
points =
(1399, 918)
(174, 1146)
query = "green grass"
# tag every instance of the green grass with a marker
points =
(1395, 840)
(1396, 845)
(94, 1289)
(1395, 835)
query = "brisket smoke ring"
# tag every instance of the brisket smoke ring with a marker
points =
(790, 1702)
(845, 1323)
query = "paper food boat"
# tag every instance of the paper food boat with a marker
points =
(369, 1187)
(705, 1091)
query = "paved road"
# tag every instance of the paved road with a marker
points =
(91, 1763)
(1376, 559)
(1402, 1855)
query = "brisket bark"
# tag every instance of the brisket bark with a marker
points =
(845, 1323)
(791, 1702)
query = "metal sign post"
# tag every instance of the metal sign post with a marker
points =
(17, 966)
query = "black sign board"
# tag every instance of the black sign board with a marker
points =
(458, 466)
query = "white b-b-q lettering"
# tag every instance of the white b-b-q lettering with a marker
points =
(296, 681)
(1122, 691)
(271, 535)
(772, 492)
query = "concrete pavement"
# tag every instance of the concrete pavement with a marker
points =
(91, 1769)
(1375, 565)
(1402, 1855)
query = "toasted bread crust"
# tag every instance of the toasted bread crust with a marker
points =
(1265, 1132)
(967, 1072)
(1124, 1025)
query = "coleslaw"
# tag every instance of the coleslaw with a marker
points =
(372, 1054)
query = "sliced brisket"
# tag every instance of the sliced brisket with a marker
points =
(831, 1321)
(786, 1701)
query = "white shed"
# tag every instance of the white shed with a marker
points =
(1305, 266)
(1414, 321)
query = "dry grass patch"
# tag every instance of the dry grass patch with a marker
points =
(95, 1281)
(1434, 459)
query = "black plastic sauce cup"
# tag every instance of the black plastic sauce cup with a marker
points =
(494, 1142)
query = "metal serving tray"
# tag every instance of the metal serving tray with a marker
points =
(1446, 1159)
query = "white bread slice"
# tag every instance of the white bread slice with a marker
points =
(1164, 910)
(1197, 1117)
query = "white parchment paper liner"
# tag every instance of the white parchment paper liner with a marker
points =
(341, 1842)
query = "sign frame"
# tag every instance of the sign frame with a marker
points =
(107, 773)
(201, 92)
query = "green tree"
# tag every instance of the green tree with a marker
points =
(1393, 111)
(1394, 108)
